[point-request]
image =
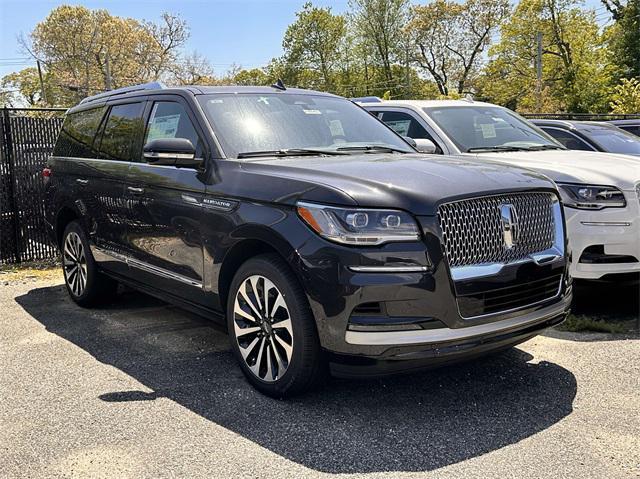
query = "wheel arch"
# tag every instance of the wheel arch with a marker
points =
(253, 241)
(65, 215)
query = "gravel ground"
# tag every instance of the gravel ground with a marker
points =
(142, 389)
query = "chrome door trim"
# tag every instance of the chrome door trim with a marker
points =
(151, 268)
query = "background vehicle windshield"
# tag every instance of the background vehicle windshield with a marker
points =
(477, 127)
(616, 141)
(258, 122)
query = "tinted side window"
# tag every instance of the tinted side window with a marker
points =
(406, 125)
(122, 132)
(77, 134)
(632, 129)
(568, 140)
(170, 120)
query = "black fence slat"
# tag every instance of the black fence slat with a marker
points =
(27, 138)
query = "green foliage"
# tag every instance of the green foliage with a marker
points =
(579, 324)
(312, 42)
(378, 26)
(86, 51)
(624, 36)
(626, 96)
(449, 38)
(387, 48)
(576, 74)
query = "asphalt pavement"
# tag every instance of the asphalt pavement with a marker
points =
(142, 389)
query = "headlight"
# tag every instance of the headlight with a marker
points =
(591, 197)
(358, 226)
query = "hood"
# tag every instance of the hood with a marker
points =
(416, 183)
(573, 166)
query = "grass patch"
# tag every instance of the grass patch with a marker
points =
(578, 324)
(39, 270)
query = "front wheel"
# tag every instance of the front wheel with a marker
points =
(86, 285)
(272, 329)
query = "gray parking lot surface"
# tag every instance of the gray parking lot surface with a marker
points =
(141, 389)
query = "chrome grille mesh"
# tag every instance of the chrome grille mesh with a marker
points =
(473, 233)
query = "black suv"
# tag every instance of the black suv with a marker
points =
(319, 236)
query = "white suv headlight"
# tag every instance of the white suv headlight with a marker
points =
(359, 226)
(591, 197)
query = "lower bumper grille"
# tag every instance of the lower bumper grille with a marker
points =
(509, 298)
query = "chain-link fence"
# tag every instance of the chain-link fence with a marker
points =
(27, 137)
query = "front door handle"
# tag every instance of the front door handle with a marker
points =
(82, 181)
(135, 191)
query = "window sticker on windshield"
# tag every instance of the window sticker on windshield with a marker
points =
(401, 127)
(335, 126)
(163, 127)
(216, 100)
(488, 130)
(312, 112)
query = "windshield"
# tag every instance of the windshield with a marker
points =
(614, 140)
(477, 128)
(280, 123)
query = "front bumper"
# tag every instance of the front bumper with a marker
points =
(420, 322)
(612, 233)
(435, 353)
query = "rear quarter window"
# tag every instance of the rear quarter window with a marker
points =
(123, 132)
(78, 132)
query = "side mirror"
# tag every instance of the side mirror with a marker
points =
(424, 146)
(410, 140)
(172, 152)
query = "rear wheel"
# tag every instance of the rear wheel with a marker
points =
(86, 285)
(272, 329)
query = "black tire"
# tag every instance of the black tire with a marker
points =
(306, 369)
(98, 288)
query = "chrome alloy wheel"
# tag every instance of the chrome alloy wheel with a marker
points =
(75, 264)
(262, 326)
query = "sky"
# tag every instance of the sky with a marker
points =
(245, 32)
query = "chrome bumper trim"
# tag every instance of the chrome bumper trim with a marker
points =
(605, 223)
(388, 269)
(433, 336)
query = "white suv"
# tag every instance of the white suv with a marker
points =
(600, 191)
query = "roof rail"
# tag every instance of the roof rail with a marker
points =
(367, 99)
(156, 85)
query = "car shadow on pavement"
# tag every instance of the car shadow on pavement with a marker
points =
(407, 423)
(607, 300)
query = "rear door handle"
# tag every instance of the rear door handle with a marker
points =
(82, 181)
(135, 191)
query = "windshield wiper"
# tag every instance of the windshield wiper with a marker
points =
(496, 148)
(288, 152)
(545, 147)
(372, 148)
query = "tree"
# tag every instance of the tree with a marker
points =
(576, 74)
(450, 38)
(25, 85)
(379, 27)
(86, 51)
(193, 69)
(255, 76)
(313, 42)
(624, 36)
(626, 97)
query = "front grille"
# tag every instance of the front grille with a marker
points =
(473, 232)
(526, 293)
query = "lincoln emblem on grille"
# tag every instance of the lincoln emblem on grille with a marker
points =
(510, 228)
